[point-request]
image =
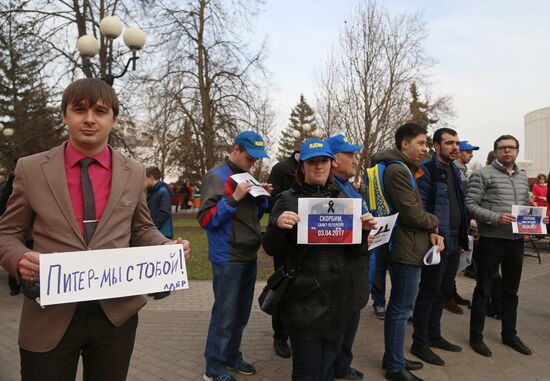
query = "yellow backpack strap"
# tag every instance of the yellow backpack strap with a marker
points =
(371, 174)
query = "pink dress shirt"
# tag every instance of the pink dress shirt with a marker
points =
(100, 173)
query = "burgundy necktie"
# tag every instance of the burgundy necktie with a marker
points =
(88, 199)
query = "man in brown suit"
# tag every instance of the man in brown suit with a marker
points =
(54, 193)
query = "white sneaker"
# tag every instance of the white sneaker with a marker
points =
(379, 312)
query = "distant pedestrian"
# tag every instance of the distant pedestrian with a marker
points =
(184, 192)
(159, 202)
(6, 187)
(540, 191)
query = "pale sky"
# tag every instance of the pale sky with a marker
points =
(492, 57)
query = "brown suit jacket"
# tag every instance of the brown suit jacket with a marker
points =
(40, 204)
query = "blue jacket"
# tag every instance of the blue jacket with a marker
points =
(233, 227)
(433, 186)
(159, 202)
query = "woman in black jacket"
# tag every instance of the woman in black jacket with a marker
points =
(319, 301)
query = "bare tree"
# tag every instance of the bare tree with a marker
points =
(210, 71)
(365, 90)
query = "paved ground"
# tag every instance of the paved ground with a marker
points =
(172, 331)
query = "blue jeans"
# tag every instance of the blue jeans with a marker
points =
(404, 288)
(233, 285)
(377, 276)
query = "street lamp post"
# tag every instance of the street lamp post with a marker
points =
(303, 132)
(111, 28)
(8, 132)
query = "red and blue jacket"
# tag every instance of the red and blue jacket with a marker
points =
(233, 228)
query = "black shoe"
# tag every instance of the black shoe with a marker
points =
(441, 343)
(424, 353)
(479, 347)
(460, 300)
(15, 292)
(413, 365)
(470, 274)
(410, 365)
(281, 348)
(161, 295)
(243, 367)
(516, 343)
(452, 306)
(353, 374)
(402, 375)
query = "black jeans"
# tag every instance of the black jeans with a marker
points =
(342, 364)
(313, 359)
(436, 284)
(105, 349)
(492, 252)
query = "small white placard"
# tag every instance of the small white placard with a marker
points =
(329, 221)
(384, 228)
(245, 177)
(529, 219)
(432, 257)
(113, 273)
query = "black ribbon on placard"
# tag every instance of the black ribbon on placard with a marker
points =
(331, 207)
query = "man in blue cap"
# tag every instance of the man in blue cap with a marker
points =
(344, 167)
(464, 157)
(231, 218)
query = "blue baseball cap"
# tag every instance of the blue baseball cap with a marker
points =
(313, 148)
(339, 143)
(253, 143)
(465, 146)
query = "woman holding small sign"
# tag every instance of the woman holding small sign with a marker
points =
(318, 305)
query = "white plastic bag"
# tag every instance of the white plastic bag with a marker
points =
(466, 256)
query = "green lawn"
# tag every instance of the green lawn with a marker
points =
(198, 266)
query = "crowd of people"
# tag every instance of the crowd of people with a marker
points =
(84, 195)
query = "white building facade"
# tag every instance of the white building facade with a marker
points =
(537, 141)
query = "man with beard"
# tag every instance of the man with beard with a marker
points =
(440, 187)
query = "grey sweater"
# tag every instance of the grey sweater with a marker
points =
(492, 191)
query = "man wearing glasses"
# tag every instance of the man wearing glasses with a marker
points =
(490, 194)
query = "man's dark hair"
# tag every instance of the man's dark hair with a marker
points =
(505, 137)
(408, 132)
(490, 158)
(438, 134)
(153, 171)
(89, 90)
